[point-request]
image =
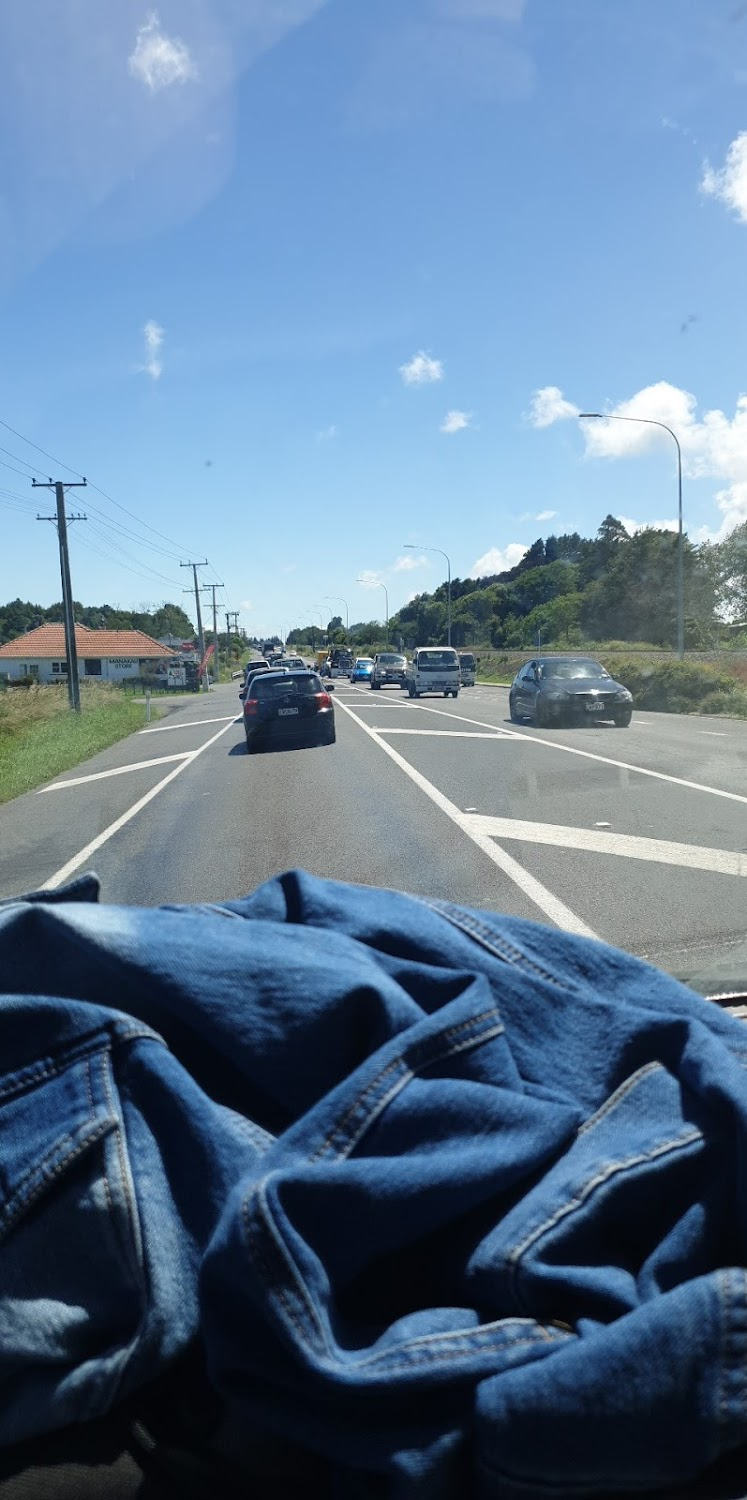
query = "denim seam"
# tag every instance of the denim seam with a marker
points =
(611, 1169)
(128, 1187)
(475, 929)
(24, 1202)
(409, 1065)
(43, 1069)
(619, 1095)
(730, 1295)
(475, 1339)
(356, 1137)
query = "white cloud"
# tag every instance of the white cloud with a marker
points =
(456, 421)
(246, 606)
(421, 369)
(153, 336)
(407, 563)
(632, 526)
(549, 405)
(497, 560)
(369, 579)
(729, 183)
(289, 568)
(714, 446)
(546, 515)
(159, 60)
(327, 434)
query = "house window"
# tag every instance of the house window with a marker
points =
(34, 669)
(93, 666)
(59, 669)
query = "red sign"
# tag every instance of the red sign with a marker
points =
(210, 652)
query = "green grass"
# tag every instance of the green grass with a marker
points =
(40, 737)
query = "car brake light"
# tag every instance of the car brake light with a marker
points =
(250, 705)
(323, 700)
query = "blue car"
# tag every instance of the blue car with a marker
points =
(362, 670)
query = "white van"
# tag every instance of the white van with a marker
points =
(433, 669)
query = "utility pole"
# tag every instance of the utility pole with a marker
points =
(61, 522)
(231, 614)
(206, 588)
(200, 637)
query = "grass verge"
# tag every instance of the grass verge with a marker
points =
(40, 736)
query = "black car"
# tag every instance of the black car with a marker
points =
(563, 689)
(251, 670)
(288, 706)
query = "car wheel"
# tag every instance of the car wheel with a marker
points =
(623, 720)
(514, 717)
(540, 718)
(446, 694)
(455, 693)
(411, 692)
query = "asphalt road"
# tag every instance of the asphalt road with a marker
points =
(637, 836)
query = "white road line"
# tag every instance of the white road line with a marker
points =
(627, 846)
(605, 760)
(191, 724)
(550, 905)
(80, 858)
(138, 765)
(443, 734)
(713, 734)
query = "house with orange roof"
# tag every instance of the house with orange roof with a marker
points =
(103, 655)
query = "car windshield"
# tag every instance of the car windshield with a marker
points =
(388, 660)
(438, 659)
(293, 684)
(571, 670)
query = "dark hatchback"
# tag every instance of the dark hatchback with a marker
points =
(286, 706)
(568, 689)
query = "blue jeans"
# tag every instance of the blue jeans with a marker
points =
(454, 1200)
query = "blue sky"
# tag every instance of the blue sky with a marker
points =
(285, 278)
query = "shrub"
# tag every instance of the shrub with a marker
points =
(670, 686)
(734, 703)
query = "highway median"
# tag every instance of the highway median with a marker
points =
(40, 736)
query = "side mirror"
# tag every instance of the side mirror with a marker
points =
(242, 694)
(330, 687)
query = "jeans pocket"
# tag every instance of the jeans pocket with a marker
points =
(71, 1262)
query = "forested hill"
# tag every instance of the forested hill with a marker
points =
(572, 589)
(170, 619)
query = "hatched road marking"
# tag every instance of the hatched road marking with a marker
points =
(68, 869)
(625, 845)
(554, 909)
(137, 765)
(190, 724)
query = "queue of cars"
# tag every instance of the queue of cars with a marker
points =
(286, 700)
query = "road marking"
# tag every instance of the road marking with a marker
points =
(714, 734)
(191, 724)
(627, 846)
(68, 869)
(550, 905)
(605, 760)
(444, 734)
(138, 765)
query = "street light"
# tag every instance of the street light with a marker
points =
(415, 547)
(340, 600)
(379, 585)
(602, 416)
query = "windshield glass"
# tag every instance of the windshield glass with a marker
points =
(391, 661)
(570, 670)
(438, 659)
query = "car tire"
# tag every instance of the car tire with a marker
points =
(455, 693)
(446, 694)
(330, 737)
(623, 720)
(512, 714)
(539, 720)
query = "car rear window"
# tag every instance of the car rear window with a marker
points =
(299, 685)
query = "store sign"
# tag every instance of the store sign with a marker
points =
(122, 661)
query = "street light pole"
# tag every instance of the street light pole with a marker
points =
(415, 547)
(379, 585)
(650, 422)
(340, 600)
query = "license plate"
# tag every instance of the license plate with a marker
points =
(285, 713)
(594, 708)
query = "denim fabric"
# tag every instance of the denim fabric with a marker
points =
(453, 1200)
